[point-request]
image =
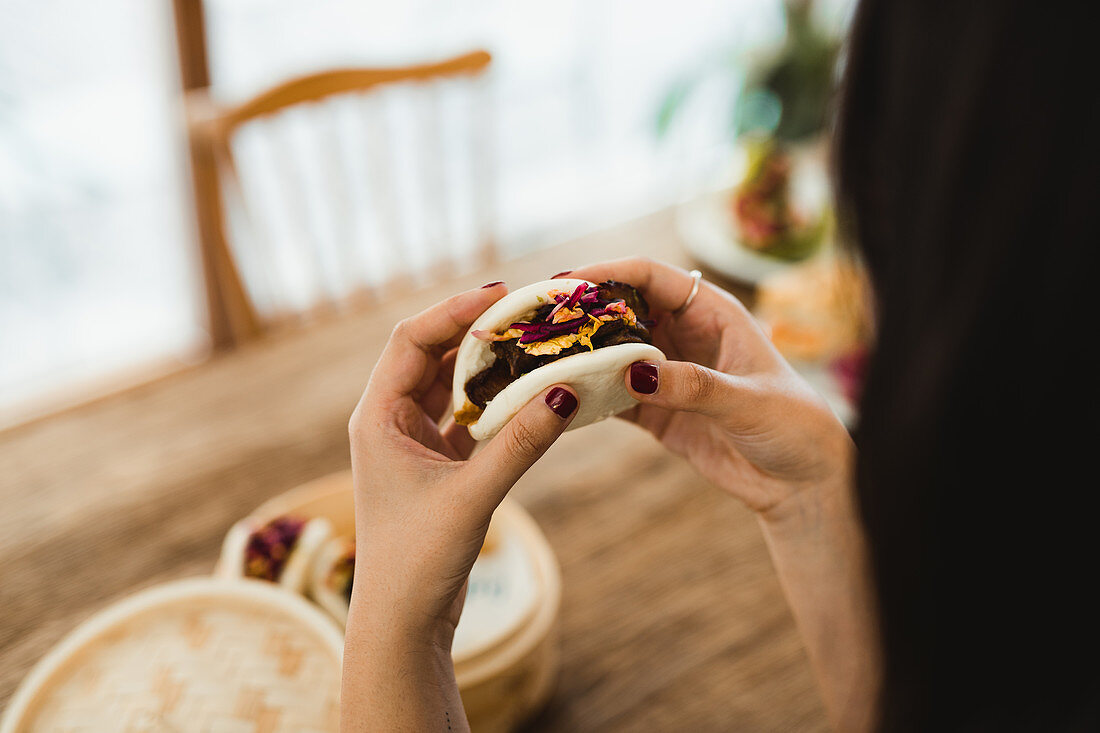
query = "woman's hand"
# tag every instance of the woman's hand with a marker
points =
(732, 406)
(422, 507)
(727, 401)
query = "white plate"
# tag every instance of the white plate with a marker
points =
(709, 232)
(706, 228)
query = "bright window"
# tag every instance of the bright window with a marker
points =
(97, 265)
(96, 271)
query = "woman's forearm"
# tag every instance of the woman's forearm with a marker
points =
(819, 550)
(398, 687)
(395, 683)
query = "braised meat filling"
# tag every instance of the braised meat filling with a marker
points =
(588, 318)
(270, 546)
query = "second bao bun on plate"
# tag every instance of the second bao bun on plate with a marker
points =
(330, 580)
(596, 375)
(293, 569)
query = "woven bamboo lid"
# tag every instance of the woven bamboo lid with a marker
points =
(197, 654)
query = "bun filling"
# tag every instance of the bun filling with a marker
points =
(342, 573)
(269, 548)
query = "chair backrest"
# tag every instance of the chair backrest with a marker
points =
(339, 185)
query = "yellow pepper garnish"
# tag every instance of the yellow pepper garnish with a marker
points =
(568, 314)
(558, 344)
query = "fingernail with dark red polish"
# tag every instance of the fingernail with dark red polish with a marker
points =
(643, 377)
(492, 284)
(561, 401)
(563, 273)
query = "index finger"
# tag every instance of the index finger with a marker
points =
(664, 286)
(412, 355)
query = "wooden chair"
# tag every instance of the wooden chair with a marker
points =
(337, 219)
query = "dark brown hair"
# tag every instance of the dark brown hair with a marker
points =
(968, 175)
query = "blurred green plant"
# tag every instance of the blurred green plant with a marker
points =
(785, 95)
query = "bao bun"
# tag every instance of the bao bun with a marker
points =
(596, 376)
(296, 571)
(327, 597)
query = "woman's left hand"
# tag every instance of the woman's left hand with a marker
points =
(422, 507)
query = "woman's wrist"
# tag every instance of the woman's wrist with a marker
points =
(396, 617)
(807, 503)
(810, 510)
(398, 624)
(397, 679)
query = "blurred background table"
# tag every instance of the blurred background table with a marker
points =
(672, 617)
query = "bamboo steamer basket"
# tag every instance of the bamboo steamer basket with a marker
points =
(504, 676)
(233, 655)
(198, 654)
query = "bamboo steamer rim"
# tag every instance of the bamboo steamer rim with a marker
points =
(291, 499)
(260, 598)
(475, 669)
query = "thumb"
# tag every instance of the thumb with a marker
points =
(687, 386)
(523, 440)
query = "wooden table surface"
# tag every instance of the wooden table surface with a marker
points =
(672, 617)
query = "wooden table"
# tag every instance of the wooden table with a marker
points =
(672, 618)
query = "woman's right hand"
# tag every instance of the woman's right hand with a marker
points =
(731, 405)
(726, 400)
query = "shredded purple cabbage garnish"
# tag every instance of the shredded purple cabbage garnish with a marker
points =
(584, 296)
(576, 296)
(543, 331)
(270, 546)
